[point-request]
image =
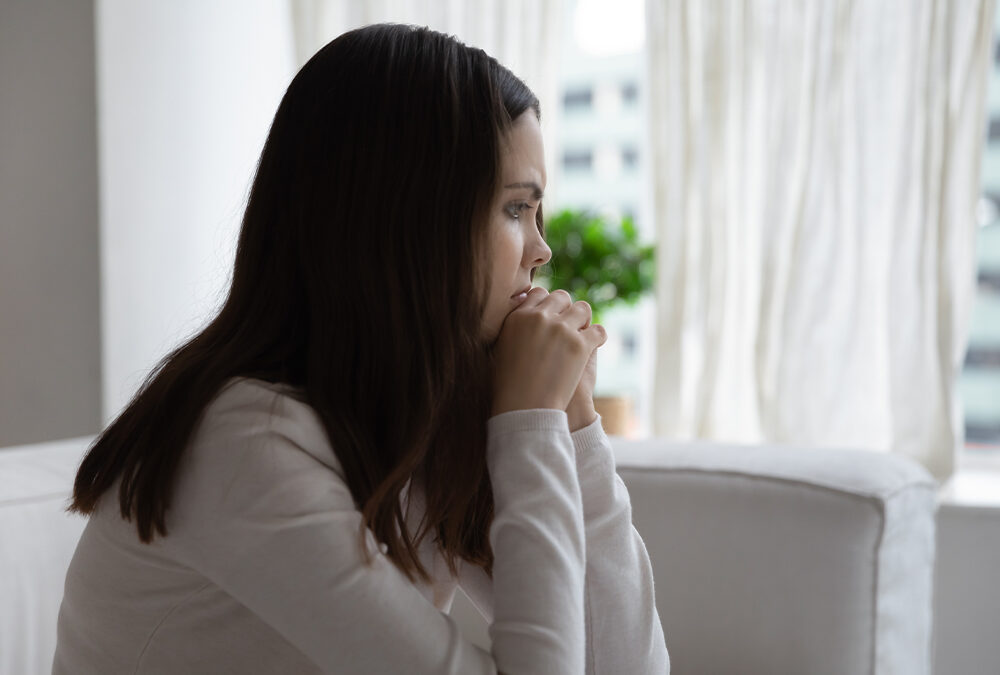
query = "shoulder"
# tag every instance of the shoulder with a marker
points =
(252, 436)
(259, 464)
(253, 414)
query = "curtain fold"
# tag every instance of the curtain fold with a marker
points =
(815, 175)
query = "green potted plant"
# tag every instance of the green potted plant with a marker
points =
(601, 261)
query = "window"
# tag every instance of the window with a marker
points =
(600, 170)
(629, 346)
(980, 383)
(630, 157)
(578, 160)
(578, 99)
(993, 133)
(630, 93)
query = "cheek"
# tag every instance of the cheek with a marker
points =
(508, 256)
(504, 264)
(503, 270)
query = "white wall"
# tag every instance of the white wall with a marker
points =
(50, 367)
(186, 93)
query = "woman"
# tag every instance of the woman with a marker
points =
(383, 410)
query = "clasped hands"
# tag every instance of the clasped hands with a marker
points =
(546, 357)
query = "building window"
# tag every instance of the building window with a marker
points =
(578, 99)
(630, 157)
(630, 346)
(989, 282)
(630, 93)
(983, 357)
(578, 160)
(994, 131)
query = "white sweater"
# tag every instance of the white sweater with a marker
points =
(262, 572)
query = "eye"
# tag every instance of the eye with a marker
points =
(516, 209)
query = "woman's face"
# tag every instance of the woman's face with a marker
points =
(516, 246)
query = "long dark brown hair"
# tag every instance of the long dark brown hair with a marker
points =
(358, 279)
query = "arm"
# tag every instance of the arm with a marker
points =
(538, 619)
(624, 634)
(269, 519)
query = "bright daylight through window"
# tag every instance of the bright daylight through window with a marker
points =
(598, 168)
(980, 385)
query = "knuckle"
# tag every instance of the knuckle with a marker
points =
(540, 320)
(575, 342)
(560, 293)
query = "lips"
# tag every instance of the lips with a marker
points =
(523, 290)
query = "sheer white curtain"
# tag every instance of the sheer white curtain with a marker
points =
(524, 35)
(816, 169)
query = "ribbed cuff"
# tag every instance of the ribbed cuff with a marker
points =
(537, 419)
(589, 437)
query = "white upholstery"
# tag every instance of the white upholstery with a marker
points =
(766, 559)
(786, 560)
(37, 539)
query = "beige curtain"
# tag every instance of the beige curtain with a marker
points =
(816, 170)
(524, 35)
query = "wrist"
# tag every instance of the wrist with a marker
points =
(500, 407)
(580, 415)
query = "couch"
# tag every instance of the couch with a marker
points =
(767, 559)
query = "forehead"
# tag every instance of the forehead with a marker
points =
(522, 152)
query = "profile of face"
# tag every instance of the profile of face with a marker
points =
(516, 247)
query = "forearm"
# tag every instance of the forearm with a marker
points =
(624, 634)
(538, 544)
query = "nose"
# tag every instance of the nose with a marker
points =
(538, 251)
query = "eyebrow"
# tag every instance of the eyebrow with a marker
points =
(535, 187)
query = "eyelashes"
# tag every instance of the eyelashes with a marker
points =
(516, 209)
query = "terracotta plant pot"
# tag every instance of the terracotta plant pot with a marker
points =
(615, 412)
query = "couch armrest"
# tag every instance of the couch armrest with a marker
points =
(37, 540)
(786, 560)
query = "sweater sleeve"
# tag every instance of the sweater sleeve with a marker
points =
(538, 544)
(623, 631)
(624, 634)
(268, 518)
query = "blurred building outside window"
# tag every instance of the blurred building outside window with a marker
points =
(600, 167)
(980, 383)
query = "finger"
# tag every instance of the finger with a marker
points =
(596, 335)
(579, 314)
(535, 296)
(556, 302)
